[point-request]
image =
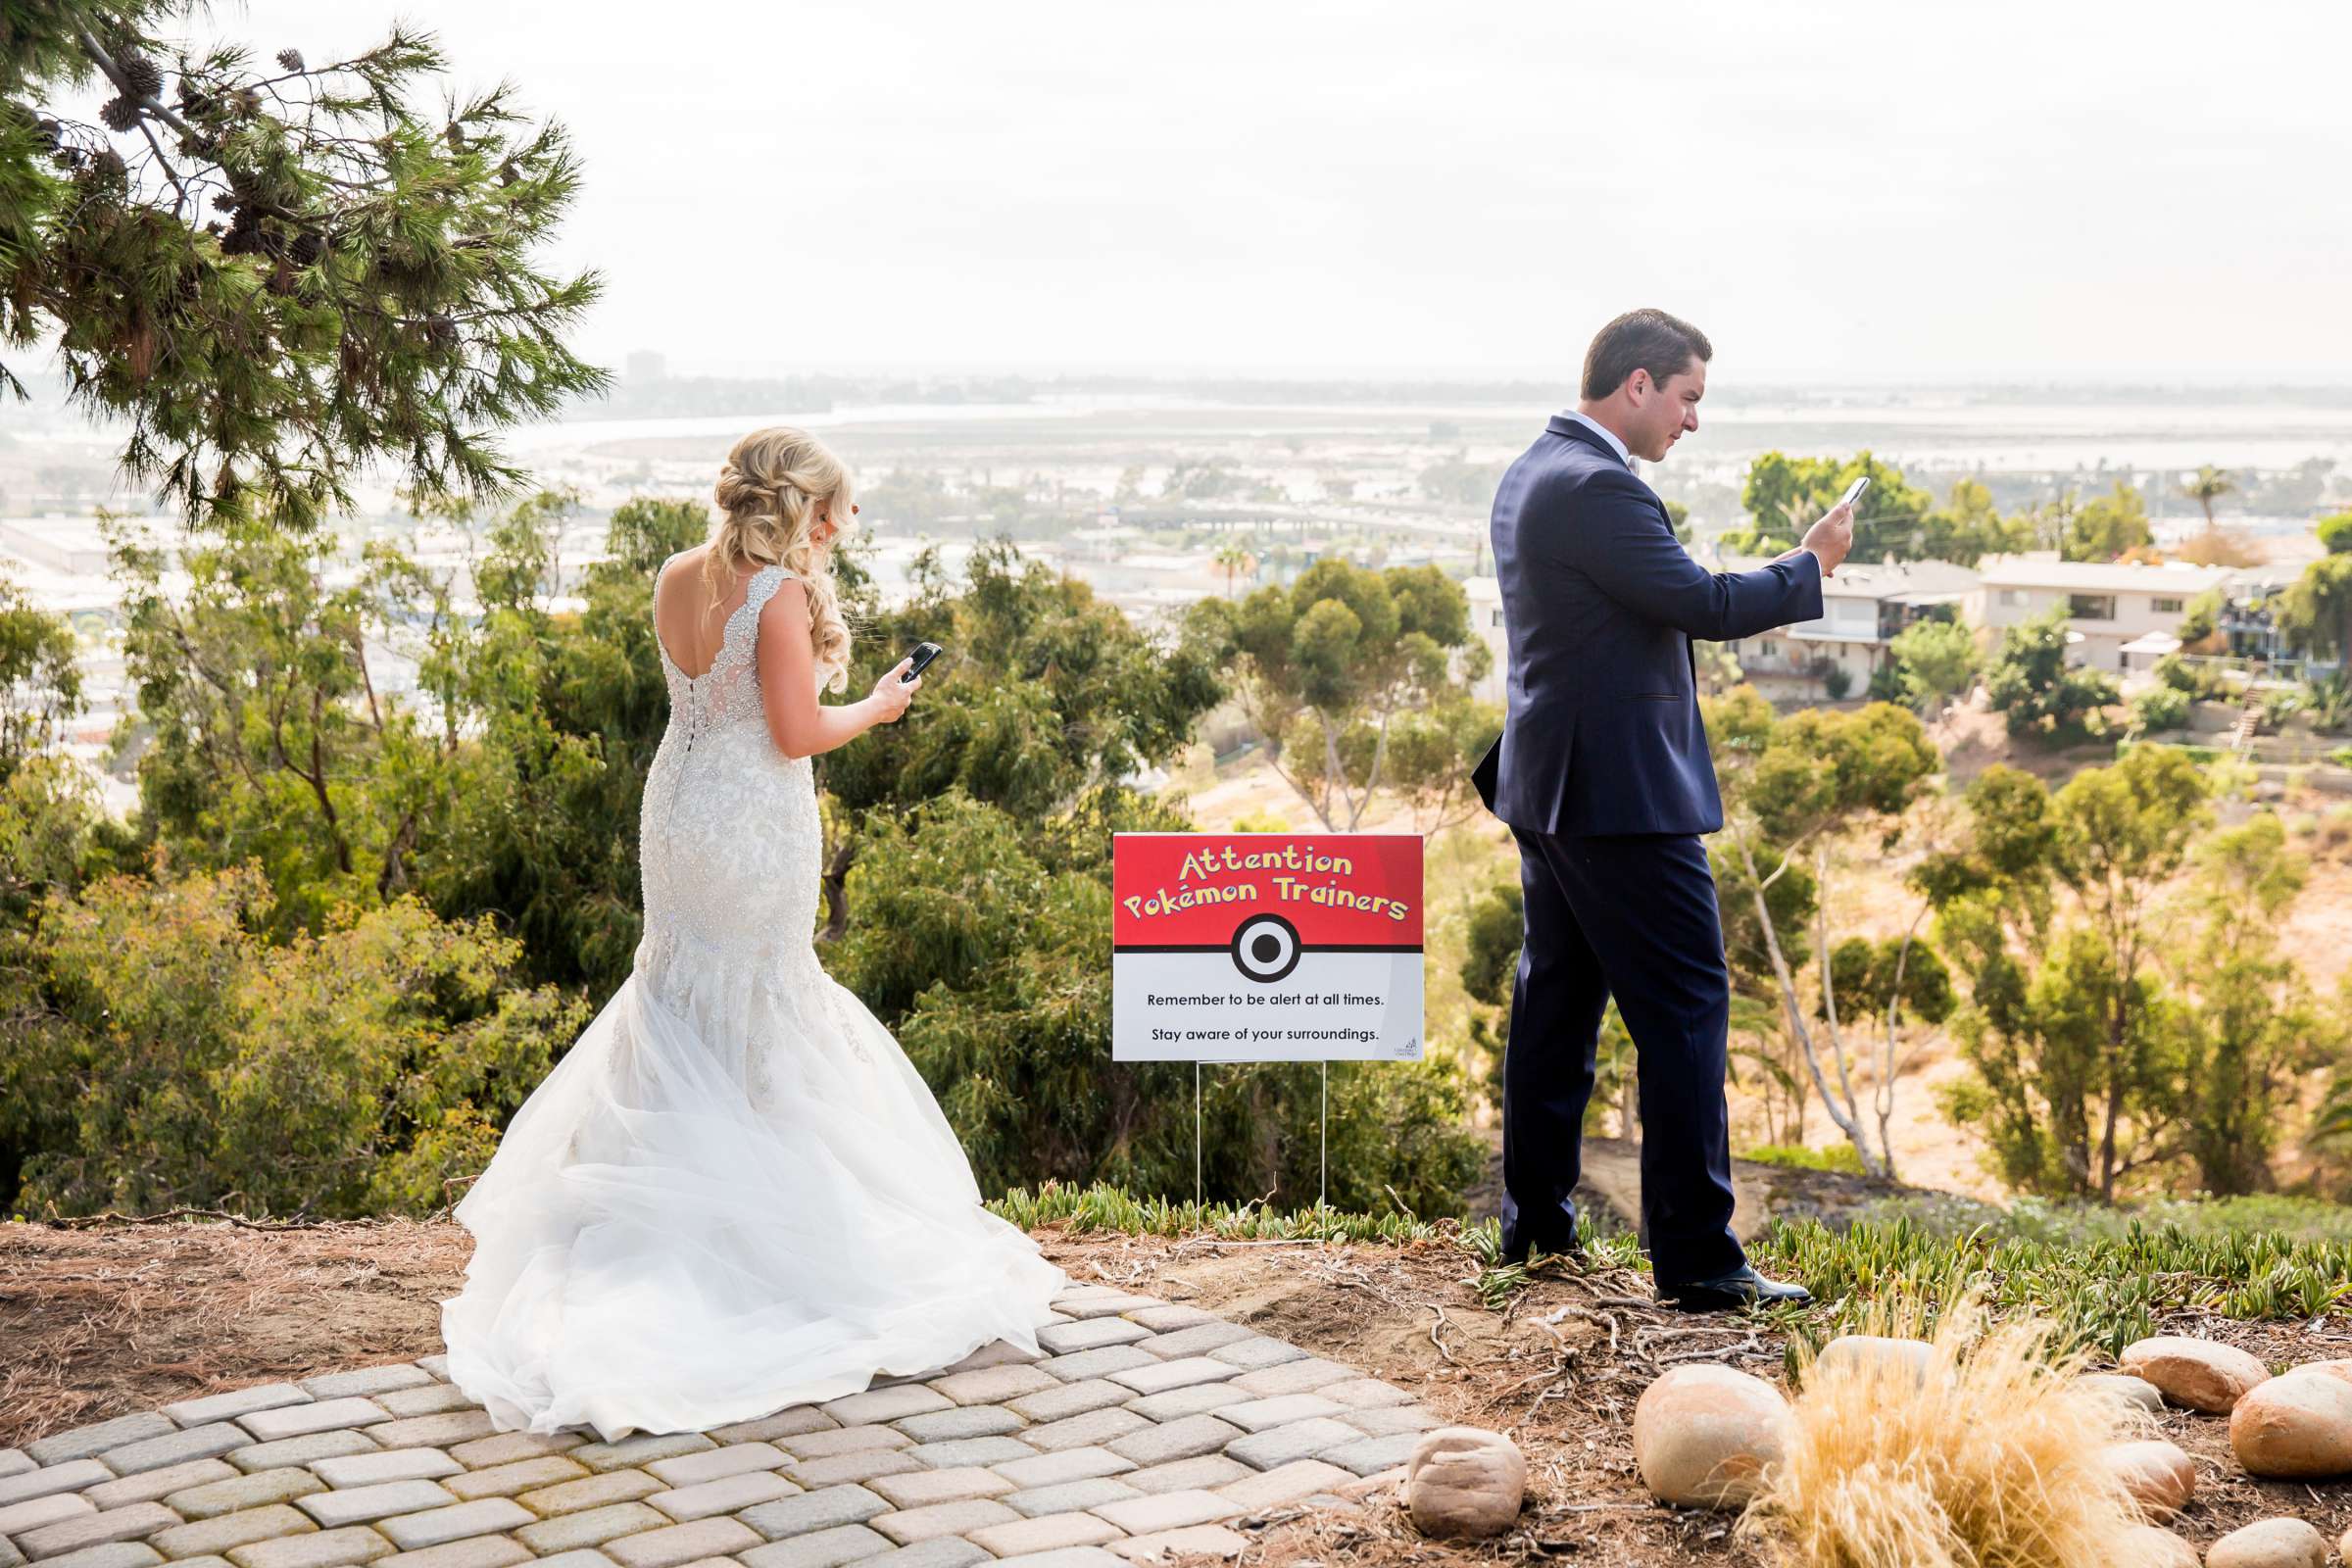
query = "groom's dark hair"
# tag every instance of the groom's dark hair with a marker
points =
(1642, 340)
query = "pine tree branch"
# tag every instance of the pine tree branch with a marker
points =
(114, 73)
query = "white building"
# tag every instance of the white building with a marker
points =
(1486, 619)
(2111, 606)
(1865, 607)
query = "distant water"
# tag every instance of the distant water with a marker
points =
(588, 432)
(1948, 430)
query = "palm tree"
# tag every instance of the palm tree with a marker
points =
(2209, 486)
(1233, 560)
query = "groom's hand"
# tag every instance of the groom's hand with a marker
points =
(1831, 537)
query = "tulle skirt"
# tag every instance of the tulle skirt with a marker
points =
(733, 1195)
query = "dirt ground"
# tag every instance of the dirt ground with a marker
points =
(100, 1320)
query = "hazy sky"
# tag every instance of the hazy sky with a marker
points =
(1881, 189)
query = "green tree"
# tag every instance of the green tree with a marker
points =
(2253, 1031)
(1428, 757)
(2030, 684)
(2335, 533)
(200, 1064)
(1328, 665)
(2160, 709)
(2206, 486)
(269, 741)
(1490, 949)
(1969, 527)
(1232, 559)
(1784, 494)
(1792, 786)
(1490, 971)
(40, 686)
(1678, 517)
(275, 276)
(1934, 660)
(2202, 617)
(2108, 527)
(538, 817)
(2314, 613)
(1009, 1022)
(2076, 1049)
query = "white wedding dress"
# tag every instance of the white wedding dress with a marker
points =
(735, 1193)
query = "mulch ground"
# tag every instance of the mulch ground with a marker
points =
(101, 1320)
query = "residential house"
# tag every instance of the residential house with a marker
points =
(1865, 607)
(2108, 606)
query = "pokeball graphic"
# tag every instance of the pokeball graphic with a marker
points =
(1265, 948)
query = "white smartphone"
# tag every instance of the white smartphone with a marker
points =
(1853, 492)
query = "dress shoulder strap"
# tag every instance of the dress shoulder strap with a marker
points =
(764, 585)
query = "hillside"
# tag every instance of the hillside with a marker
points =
(108, 1318)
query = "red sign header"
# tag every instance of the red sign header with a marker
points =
(1336, 889)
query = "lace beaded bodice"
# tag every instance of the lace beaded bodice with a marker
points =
(728, 836)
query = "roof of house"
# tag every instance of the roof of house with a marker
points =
(1913, 581)
(2100, 576)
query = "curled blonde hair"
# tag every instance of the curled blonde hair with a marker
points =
(769, 492)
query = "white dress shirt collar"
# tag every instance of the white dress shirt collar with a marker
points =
(1606, 434)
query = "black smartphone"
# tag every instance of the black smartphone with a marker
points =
(922, 655)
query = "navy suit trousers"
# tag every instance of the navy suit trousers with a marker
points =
(1632, 916)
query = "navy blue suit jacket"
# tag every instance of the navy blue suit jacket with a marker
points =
(1599, 605)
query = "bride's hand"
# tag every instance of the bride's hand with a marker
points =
(892, 694)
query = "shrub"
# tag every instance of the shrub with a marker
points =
(341, 1074)
(1837, 680)
(2161, 707)
(1797, 1157)
(1992, 1457)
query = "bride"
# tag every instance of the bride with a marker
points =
(734, 1194)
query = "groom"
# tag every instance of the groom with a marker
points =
(1604, 775)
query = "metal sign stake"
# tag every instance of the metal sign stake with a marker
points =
(1196, 1133)
(1323, 1172)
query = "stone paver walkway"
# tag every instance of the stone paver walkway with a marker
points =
(1146, 1427)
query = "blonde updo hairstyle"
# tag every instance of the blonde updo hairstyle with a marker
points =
(770, 490)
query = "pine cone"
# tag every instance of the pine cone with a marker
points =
(440, 331)
(120, 114)
(508, 174)
(455, 137)
(290, 59)
(47, 133)
(142, 75)
(306, 248)
(109, 166)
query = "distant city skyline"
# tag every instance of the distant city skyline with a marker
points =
(1837, 191)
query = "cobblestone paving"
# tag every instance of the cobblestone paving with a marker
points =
(1145, 1426)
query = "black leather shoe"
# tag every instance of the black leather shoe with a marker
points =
(1732, 1292)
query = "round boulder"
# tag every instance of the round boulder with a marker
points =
(2149, 1547)
(1462, 1481)
(2336, 1368)
(2269, 1544)
(2294, 1428)
(2156, 1472)
(1703, 1434)
(1889, 1357)
(2201, 1374)
(2121, 1386)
